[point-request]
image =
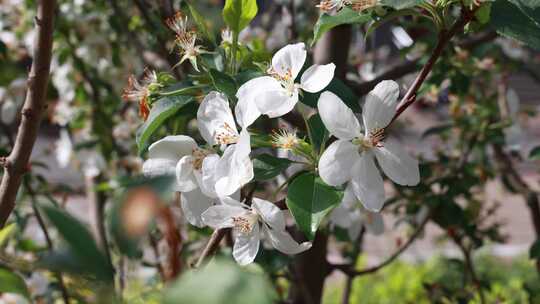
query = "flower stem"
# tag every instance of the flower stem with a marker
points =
(233, 51)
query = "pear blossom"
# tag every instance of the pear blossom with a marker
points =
(351, 158)
(63, 149)
(248, 223)
(351, 215)
(277, 93)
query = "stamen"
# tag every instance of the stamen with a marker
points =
(361, 5)
(376, 137)
(198, 157)
(284, 139)
(226, 135)
(245, 223)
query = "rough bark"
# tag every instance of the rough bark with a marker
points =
(16, 164)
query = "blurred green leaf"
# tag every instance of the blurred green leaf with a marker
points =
(160, 112)
(227, 284)
(13, 283)
(535, 153)
(534, 252)
(81, 242)
(400, 4)
(511, 21)
(224, 83)
(200, 22)
(309, 199)
(237, 14)
(6, 232)
(437, 130)
(345, 16)
(531, 8)
(318, 132)
(267, 166)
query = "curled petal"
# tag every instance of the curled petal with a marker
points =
(367, 183)
(337, 161)
(172, 147)
(184, 174)
(220, 216)
(289, 59)
(246, 246)
(208, 175)
(337, 117)
(380, 105)
(397, 164)
(246, 109)
(277, 103)
(317, 77)
(282, 241)
(213, 116)
(234, 169)
(270, 213)
(194, 204)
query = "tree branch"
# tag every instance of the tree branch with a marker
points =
(212, 245)
(15, 165)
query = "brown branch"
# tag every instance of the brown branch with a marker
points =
(212, 245)
(469, 265)
(349, 269)
(174, 241)
(15, 165)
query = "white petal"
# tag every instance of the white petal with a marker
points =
(374, 222)
(64, 149)
(246, 246)
(337, 117)
(282, 241)
(172, 147)
(270, 213)
(397, 164)
(289, 58)
(155, 167)
(213, 114)
(349, 199)
(367, 183)
(337, 161)
(235, 168)
(220, 216)
(341, 216)
(184, 174)
(317, 77)
(276, 103)
(207, 181)
(380, 105)
(246, 110)
(194, 204)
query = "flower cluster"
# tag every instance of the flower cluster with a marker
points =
(211, 175)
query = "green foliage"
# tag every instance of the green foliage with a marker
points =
(345, 16)
(13, 283)
(309, 199)
(318, 133)
(81, 243)
(535, 153)
(6, 232)
(534, 252)
(224, 83)
(162, 110)
(266, 166)
(400, 4)
(239, 13)
(337, 87)
(515, 22)
(226, 283)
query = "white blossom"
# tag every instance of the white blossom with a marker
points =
(249, 223)
(351, 157)
(277, 93)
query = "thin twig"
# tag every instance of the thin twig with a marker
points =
(212, 245)
(470, 267)
(15, 165)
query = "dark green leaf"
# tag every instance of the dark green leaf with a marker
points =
(223, 83)
(160, 112)
(509, 20)
(309, 199)
(337, 87)
(437, 130)
(345, 16)
(80, 241)
(318, 132)
(13, 283)
(535, 153)
(229, 284)
(201, 24)
(237, 14)
(534, 252)
(531, 8)
(267, 166)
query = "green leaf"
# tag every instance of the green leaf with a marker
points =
(345, 16)
(318, 132)
(337, 87)
(223, 83)
(535, 153)
(534, 252)
(13, 283)
(229, 284)
(531, 8)
(483, 14)
(511, 21)
(400, 4)
(160, 112)
(309, 199)
(6, 232)
(81, 242)
(237, 14)
(266, 166)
